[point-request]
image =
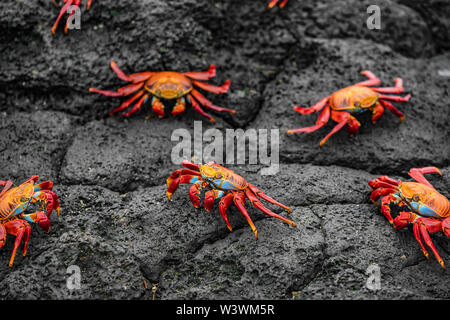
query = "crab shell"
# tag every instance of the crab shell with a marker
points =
(222, 178)
(354, 99)
(423, 200)
(169, 85)
(15, 197)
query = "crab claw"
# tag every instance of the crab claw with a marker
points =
(40, 218)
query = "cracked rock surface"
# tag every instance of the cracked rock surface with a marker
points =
(116, 223)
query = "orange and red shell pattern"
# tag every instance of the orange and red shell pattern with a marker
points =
(167, 85)
(225, 185)
(13, 205)
(358, 98)
(426, 209)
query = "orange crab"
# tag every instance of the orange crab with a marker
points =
(167, 85)
(223, 184)
(67, 5)
(426, 209)
(274, 3)
(13, 204)
(354, 99)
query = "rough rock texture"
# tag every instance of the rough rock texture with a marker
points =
(116, 223)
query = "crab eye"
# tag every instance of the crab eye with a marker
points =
(357, 104)
(416, 198)
(218, 175)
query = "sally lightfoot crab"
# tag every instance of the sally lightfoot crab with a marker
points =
(223, 184)
(67, 5)
(426, 209)
(13, 204)
(273, 3)
(167, 85)
(358, 98)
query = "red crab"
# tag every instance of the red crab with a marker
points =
(273, 3)
(167, 85)
(223, 184)
(13, 204)
(426, 209)
(64, 9)
(357, 98)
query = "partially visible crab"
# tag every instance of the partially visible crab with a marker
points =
(64, 9)
(358, 98)
(167, 85)
(13, 204)
(426, 209)
(223, 184)
(273, 3)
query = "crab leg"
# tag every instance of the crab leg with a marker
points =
(324, 117)
(176, 182)
(183, 172)
(197, 108)
(122, 92)
(6, 185)
(46, 185)
(378, 111)
(417, 174)
(274, 2)
(136, 77)
(373, 80)
(127, 103)
(383, 181)
(179, 107)
(421, 228)
(211, 73)
(190, 165)
(212, 88)
(397, 89)
(3, 234)
(385, 201)
(339, 116)
(61, 13)
(315, 108)
(224, 204)
(381, 192)
(18, 228)
(48, 198)
(194, 191)
(393, 109)
(261, 194)
(239, 201)
(353, 125)
(157, 107)
(137, 106)
(76, 4)
(395, 98)
(257, 204)
(210, 196)
(208, 104)
(40, 218)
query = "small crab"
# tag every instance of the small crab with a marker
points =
(427, 210)
(354, 99)
(13, 204)
(167, 85)
(67, 5)
(223, 184)
(273, 3)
